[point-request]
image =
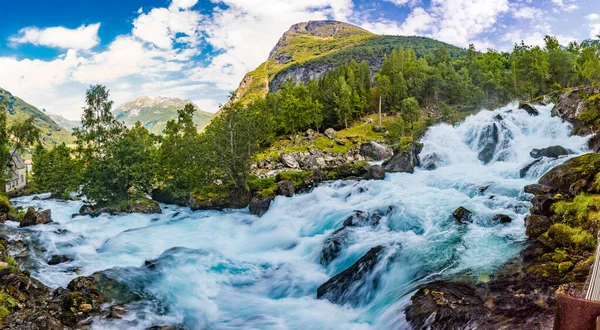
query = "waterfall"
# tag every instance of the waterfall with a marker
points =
(232, 270)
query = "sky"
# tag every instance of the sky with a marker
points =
(51, 51)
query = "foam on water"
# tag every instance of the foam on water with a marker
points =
(232, 270)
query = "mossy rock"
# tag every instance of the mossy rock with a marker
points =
(219, 198)
(132, 205)
(561, 235)
(584, 167)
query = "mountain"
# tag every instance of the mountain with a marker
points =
(52, 133)
(154, 112)
(63, 122)
(309, 50)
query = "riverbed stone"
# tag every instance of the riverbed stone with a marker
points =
(33, 217)
(462, 215)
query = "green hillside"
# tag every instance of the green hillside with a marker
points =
(154, 113)
(52, 134)
(330, 44)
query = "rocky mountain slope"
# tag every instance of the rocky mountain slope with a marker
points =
(63, 122)
(52, 133)
(154, 112)
(310, 49)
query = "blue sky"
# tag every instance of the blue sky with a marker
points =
(50, 51)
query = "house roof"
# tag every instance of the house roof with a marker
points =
(17, 160)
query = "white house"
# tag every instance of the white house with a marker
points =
(17, 173)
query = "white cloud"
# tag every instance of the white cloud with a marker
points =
(162, 27)
(84, 37)
(527, 12)
(565, 5)
(182, 4)
(595, 31)
(401, 3)
(592, 17)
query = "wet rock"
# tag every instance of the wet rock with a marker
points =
(542, 205)
(144, 206)
(363, 219)
(333, 245)
(376, 172)
(260, 205)
(487, 153)
(33, 217)
(539, 189)
(405, 158)
(289, 161)
(59, 259)
(114, 291)
(550, 152)
(228, 200)
(167, 197)
(579, 168)
(462, 215)
(531, 110)
(594, 143)
(352, 285)
(524, 170)
(498, 117)
(375, 151)
(502, 218)
(286, 188)
(330, 133)
(429, 162)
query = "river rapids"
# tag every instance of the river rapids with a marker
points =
(233, 270)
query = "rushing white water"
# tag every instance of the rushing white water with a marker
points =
(231, 270)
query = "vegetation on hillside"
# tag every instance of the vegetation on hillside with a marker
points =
(51, 134)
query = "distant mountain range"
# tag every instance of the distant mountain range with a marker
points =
(63, 122)
(52, 133)
(154, 112)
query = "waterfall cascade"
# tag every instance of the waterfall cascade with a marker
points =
(231, 270)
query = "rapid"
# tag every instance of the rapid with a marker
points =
(233, 270)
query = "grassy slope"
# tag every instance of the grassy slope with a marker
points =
(52, 133)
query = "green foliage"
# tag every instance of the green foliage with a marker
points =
(565, 236)
(56, 171)
(410, 110)
(296, 177)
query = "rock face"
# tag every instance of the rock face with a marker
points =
(375, 151)
(571, 106)
(462, 215)
(580, 168)
(33, 217)
(550, 152)
(351, 285)
(405, 158)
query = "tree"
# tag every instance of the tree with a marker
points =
(410, 110)
(181, 157)
(56, 171)
(343, 102)
(232, 140)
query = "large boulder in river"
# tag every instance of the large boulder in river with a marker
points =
(550, 152)
(462, 215)
(502, 218)
(354, 284)
(286, 188)
(531, 110)
(376, 172)
(580, 169)
(405, 158)
(33, 217)
(259, 205)
(375, 151)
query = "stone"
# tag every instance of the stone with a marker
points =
(462, 215)
(375, 151)
(502, 218)
(524, 170)
(289, 161)
(486, 155)
(561, 177)
(259, 205)
(594, 143)
(550, 152)
(333, 245)
(405, 158)
(376, 172)
(531, 110)
(571, 105)
(285, 188)
(59, 259)
(33, 217)
(330, 133)
(542, 205)
(379, 129)
(348, 286)
(539, 189)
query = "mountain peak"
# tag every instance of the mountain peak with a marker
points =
(319, 29)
